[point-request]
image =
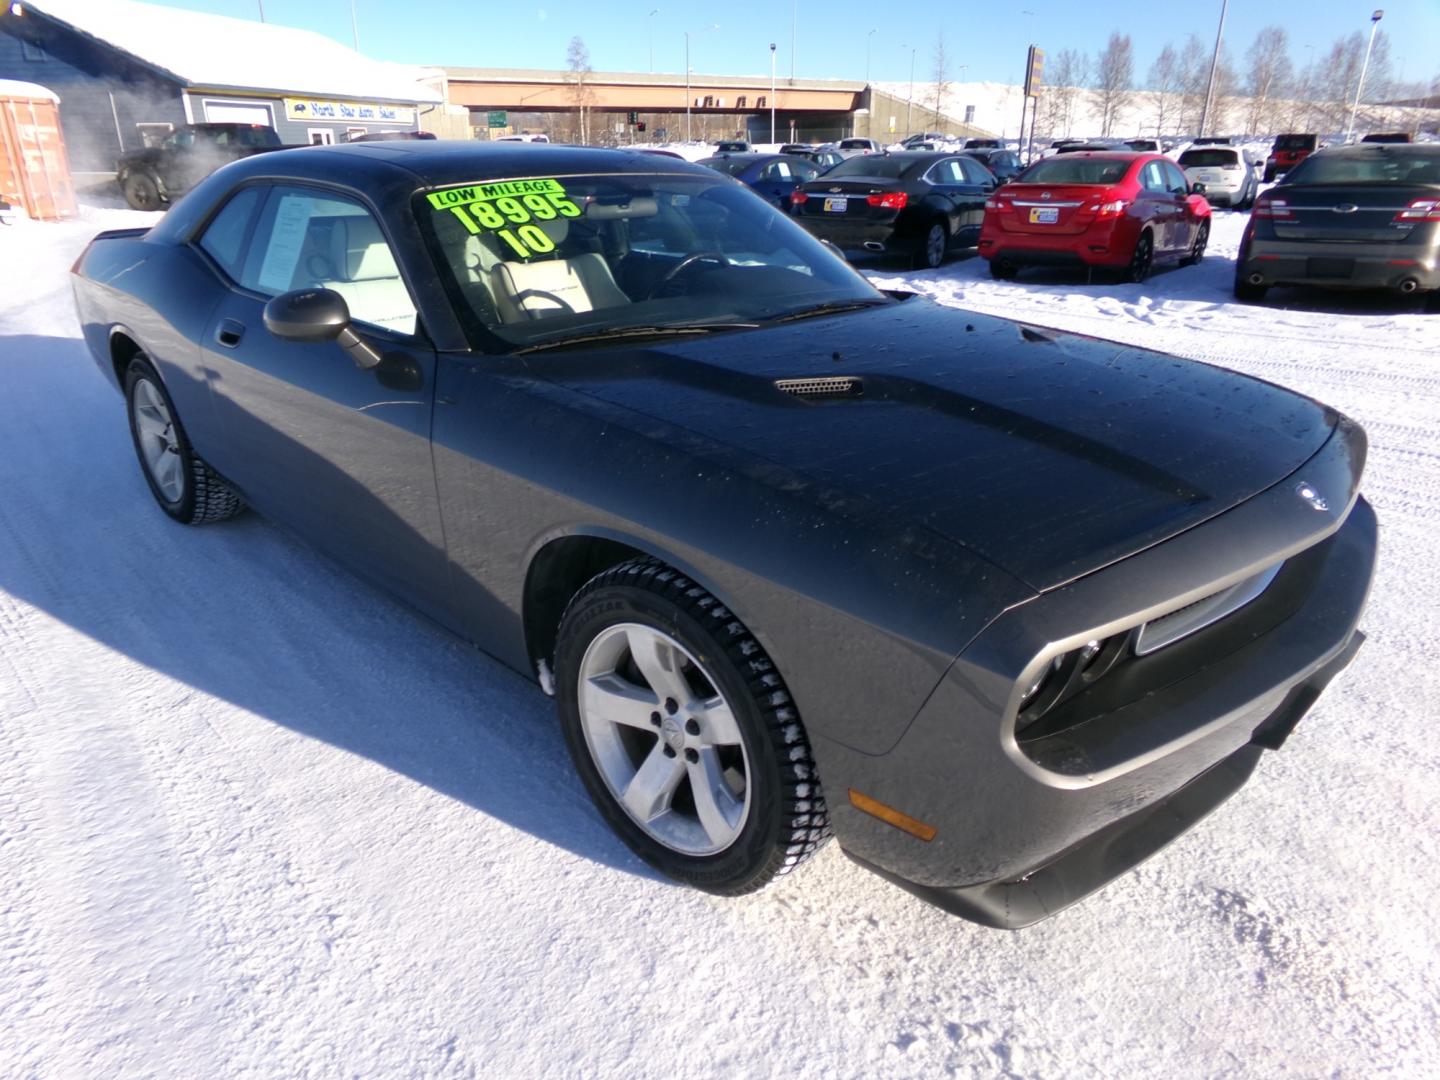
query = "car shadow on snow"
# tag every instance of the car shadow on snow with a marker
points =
(244, 612)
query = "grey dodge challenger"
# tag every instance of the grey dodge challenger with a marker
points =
(1004, 610)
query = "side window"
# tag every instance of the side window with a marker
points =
(312, 239)
(1177, 180)
(782, 170)
(1152, 177)
(805, 172)
(975, 173)
(224, 237)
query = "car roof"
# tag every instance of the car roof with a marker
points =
(1362, 150)
(439, 161)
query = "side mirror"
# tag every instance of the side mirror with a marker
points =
(1197, 188)
(315, 315)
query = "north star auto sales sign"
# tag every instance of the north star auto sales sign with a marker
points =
(301, 109)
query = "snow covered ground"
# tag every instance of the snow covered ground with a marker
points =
(257, 819)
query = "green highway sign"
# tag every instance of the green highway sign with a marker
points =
(499, 119)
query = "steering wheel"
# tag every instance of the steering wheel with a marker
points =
(683, 265)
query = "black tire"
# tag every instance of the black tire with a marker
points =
(934, 242)
(204, 497)
(1001, 270)
(141, 191)
(1142, 261)
(1197, 249)
(1251, 294)
(785, 821)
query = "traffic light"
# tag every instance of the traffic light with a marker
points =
(632, 117)
(640, 125)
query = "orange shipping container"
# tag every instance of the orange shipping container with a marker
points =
(34, 168)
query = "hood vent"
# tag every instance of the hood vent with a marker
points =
(839, 386)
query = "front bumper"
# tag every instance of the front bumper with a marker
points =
(1024, 827)
(1340, 266)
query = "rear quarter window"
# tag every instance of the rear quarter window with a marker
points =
(224, 238)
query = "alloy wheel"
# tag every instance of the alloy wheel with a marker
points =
(664, 739)
(157, 440)
(1141, 261)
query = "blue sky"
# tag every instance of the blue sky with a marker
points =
(990, 39)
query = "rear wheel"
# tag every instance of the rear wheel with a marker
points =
(931, 252)
(141, 191)
(1142, 261)
(1197, 249)
(684, 733)
(1249, 293)
(185, 487)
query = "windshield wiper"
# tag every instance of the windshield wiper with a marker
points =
(617, 333)
(830, 307)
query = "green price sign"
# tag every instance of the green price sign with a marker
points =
(499, 119)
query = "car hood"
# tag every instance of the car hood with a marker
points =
(1050, 455)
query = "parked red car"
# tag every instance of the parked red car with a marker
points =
(1124, 211)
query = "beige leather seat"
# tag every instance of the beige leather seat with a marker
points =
(365, 274)
(543, 287)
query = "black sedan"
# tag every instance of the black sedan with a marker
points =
(915, 203)
(774, 177)
(1003, 164)
(1348, 217)
(1006, 611)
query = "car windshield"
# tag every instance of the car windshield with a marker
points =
(885, 168)
(539, 260)
(1295, 142)
(1200, 159)
(1072, 170)
(1380, 168)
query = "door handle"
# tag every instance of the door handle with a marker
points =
(229, 332)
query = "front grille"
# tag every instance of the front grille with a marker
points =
(832, 386)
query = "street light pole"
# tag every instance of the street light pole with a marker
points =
(1374, 25)
(772, 92)
(1214, 65)
(868, 35)
(354, 26)
(262, 9)
(688, 95)
(650, 20)
(794, 21)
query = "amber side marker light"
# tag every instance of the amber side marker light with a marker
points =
(891, 816)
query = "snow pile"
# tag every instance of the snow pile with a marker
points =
(221, 52)
(258, 819)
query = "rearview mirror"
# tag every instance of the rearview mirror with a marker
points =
(1197, 188)
(315, 315)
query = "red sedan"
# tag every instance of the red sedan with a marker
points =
(1125, 211)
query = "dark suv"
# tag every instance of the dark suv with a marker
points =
(151, 177)
(1287, 152)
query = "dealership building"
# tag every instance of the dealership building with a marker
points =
(127, 73)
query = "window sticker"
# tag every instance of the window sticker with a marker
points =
(509, 209)
(287, 237)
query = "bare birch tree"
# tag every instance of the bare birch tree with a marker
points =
(1065, 74)
(1269, 77)
(1164, 86)
(1114, 77)
(941, 89)
(577, 62)
(1194, 78)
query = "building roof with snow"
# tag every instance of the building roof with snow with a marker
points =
(222, 53)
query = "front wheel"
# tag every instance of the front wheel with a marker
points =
(141, 191)
(683, 732)
(185, 487)
(1197, 249)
